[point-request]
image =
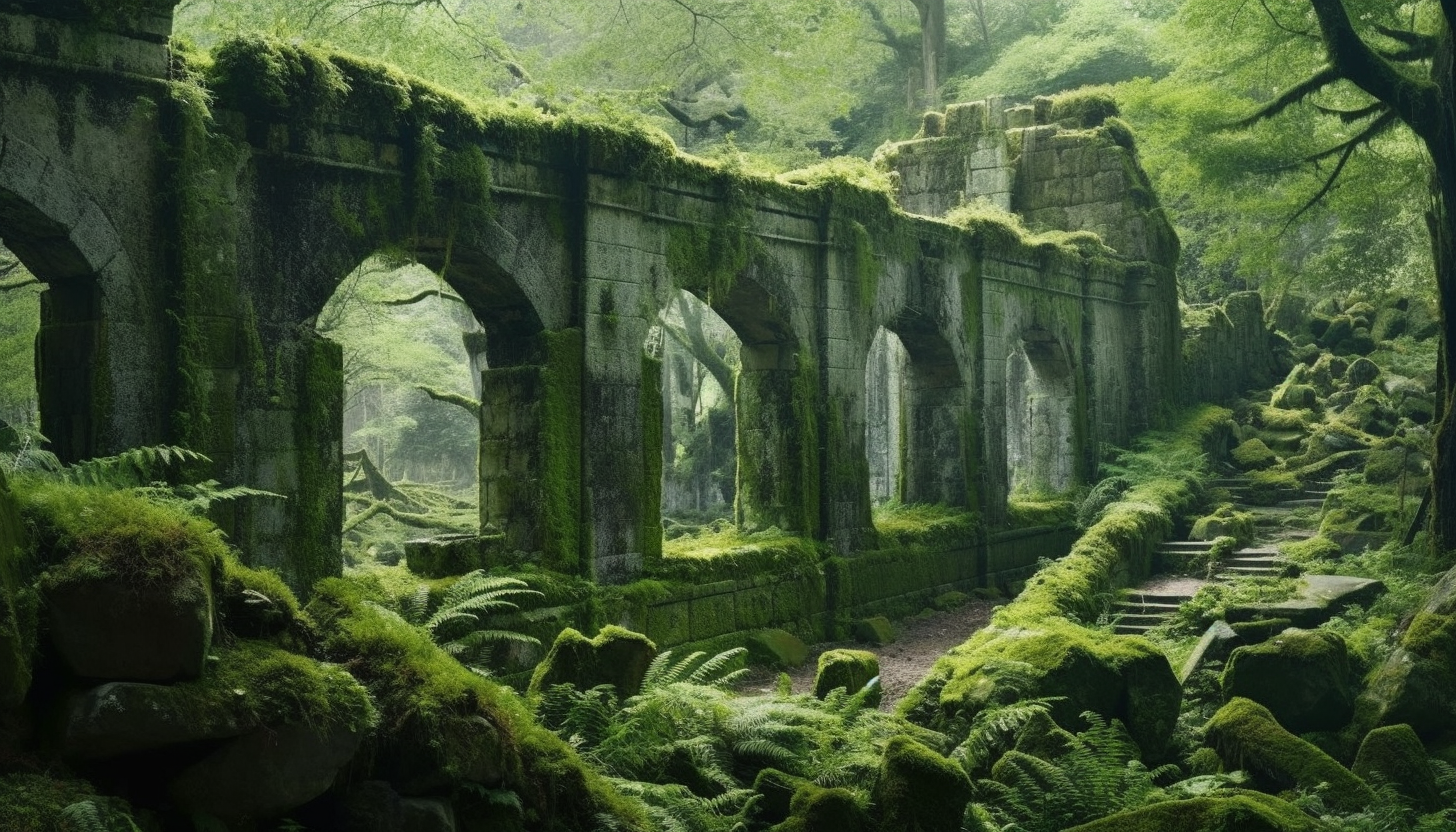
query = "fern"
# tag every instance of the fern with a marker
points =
(695, 668)
(994, 730)
(463, 623)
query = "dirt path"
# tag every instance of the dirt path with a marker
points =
(903, 664)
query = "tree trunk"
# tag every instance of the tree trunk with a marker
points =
(1442, 148)
(932, 48)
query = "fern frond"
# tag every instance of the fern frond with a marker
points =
(715, 671)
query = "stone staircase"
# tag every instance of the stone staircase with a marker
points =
(1141, 609)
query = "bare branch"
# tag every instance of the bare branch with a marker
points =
(1349, 116)
(1279, 24)
(1345, 151)
(1375, 128)
(424, 295)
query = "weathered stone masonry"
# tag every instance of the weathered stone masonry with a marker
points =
(186, 258)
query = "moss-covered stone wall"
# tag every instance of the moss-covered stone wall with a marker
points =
(261, 175)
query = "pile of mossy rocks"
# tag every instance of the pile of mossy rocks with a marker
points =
(147, 677)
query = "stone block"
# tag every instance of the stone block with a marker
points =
(128, 717)
(776, 648)
(712, 616)
(965, 119)
(875, 631)
(265, 773)
(102, 630)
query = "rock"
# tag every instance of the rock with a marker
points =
(1393, 756)
(950, 600)
(428, 814)
(815, 809)
(776, 791)
(1294, 397)
(919, 789)
(1340, 329)
(266, 773)
(1254, 454)
(1119, 677)
(371, 806)
(875, 631)
(1302, 676)
(776, 648)
(105, 630)
(616, 657)
(17, 630)
(1246, 736)
(127, 717)
(848, 669)
(1232, 809)
(1218, 641)
(1362, 371)
(1042, 738)
(1320, 598)
(1415, 683)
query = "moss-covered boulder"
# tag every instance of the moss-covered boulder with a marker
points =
(1303, 677)
(875, 631)
(1043, 738)
(1230, 811)
(919, 790)
(1294, 397)
(1393, 755)
(1238, 526)
(815, 809)
(950, 600)
(1362, 371)
(1269, 487)
(129, 588)
(1120, 677)
(848, 669)
(33, 803)
(442, 727)
(17, 605)
(1414, 684)
(1254, 454)
(776, 648)
(1247, 737)
(775, 790)
(616, 657)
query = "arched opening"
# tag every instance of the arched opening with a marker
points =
(412, 356)
(886, 376)
(699, 355)
(20, 294)
(916, 422)
(1041, 402)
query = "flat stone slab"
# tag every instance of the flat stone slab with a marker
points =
(1320, 598)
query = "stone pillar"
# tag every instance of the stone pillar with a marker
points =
(530, 454)
(935, 441)
(777, 440)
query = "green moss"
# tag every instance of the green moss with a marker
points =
(257, 682)
(919, 789)
(1246, 736)
(725, 553)
(650, 412)
(18, 626)
(256, 603)
(1394, 756)
(848, 669)
(1083, 108)
(1231, 809)
(33, 803)
(1304, 678)
(1269, 487)
(910, 524)
(1311, 549)
(776, 648)
(815, 809)
(616, 657)
(1275, 418)
(1025, 511)
(445, 718)
(1258, 632)
(1254, 454)
(87, 533)
(562, 519)
(875, 631)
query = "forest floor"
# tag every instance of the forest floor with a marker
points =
(919, 642)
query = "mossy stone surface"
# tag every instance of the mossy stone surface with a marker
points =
(1253, 454)
(815, 809)
(919, 789)
(848, 669)
(875, 631)
(1230, 811)
(776, 794)
(1247, 736)
(1304, 678)
(616, 657)
(776, 648)
(34, 803)
(1393, 755)
(17, 613)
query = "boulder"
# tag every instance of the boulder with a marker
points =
(1294, 397)
(848, 669)
(105, 629)
(1119, 677)
(1254, 454)
(776, 648)
(1362, 371)
(17, 630)
(1393, 755)
(127, 717)
(775, 790)
(876, 631)
(1303, 677)
(1415, 683)
(265, 773)
(1230, 810)
(919, 789)
(426, 814)
(616, 657)
(1248, 737)
(370, 806)
(1320, 598)
(1218, 641)
(950, 600)
(815, 809)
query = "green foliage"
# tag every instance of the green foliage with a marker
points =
(35, 803)
(465, 622)
(1096, 772)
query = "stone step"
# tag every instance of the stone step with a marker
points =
(1312, 502)
(1248, 571)
(1167, 599)
(1131, 629)
(1160, 608)
(1185, 546)
(1229, 482)
(1141, 618)
(1256, 552)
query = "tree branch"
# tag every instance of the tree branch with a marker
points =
(19, 284)
(425, 295)
(1322, 78)
(1416, 101)
(1349, 116)
(471, 405)
(1346, 150)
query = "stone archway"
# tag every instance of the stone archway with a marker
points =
(1041, 415)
